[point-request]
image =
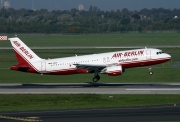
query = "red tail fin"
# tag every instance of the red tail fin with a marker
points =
(25, 56)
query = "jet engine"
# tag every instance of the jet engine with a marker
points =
(114, 70)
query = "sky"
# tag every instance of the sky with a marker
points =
(106, 5)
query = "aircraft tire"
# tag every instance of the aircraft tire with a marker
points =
(150, 72)
(96, 78)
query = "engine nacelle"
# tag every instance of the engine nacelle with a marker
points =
(114, 70)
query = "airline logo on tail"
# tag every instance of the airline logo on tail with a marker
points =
(23, 50)
(18, 45)
(28, 61)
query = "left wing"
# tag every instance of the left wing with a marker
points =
(91, 67)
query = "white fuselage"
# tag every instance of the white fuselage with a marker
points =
(126, 59)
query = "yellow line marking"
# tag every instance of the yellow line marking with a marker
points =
(28, 119)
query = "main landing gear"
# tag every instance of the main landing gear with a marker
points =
(150, 70)
(96, 78)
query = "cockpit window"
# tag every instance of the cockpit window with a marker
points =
(160, 52)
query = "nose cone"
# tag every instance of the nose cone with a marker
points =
(168, 57)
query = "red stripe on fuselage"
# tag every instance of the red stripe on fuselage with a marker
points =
(67, 71)
(64, 72)
(143, 63)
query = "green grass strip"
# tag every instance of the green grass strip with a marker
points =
(53, 102)
(128, 39)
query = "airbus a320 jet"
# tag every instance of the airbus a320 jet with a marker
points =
(111, 63)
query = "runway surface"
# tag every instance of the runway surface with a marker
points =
(91, 88)
(167, 113)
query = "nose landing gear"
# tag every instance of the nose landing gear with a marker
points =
(150, 70)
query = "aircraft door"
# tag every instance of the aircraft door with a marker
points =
(148, 54)
(43, 66)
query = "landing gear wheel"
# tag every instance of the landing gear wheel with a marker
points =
(96, 78)
(150, 72)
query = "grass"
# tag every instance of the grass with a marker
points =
(131, 76)
(132, 39)
(53, 102)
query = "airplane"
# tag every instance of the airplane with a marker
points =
(111, 63)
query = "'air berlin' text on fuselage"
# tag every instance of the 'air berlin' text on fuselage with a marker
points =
(125, 54)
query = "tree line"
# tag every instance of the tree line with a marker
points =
(92, 21)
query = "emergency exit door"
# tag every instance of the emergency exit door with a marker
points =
(43, 66)
(148, 54)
